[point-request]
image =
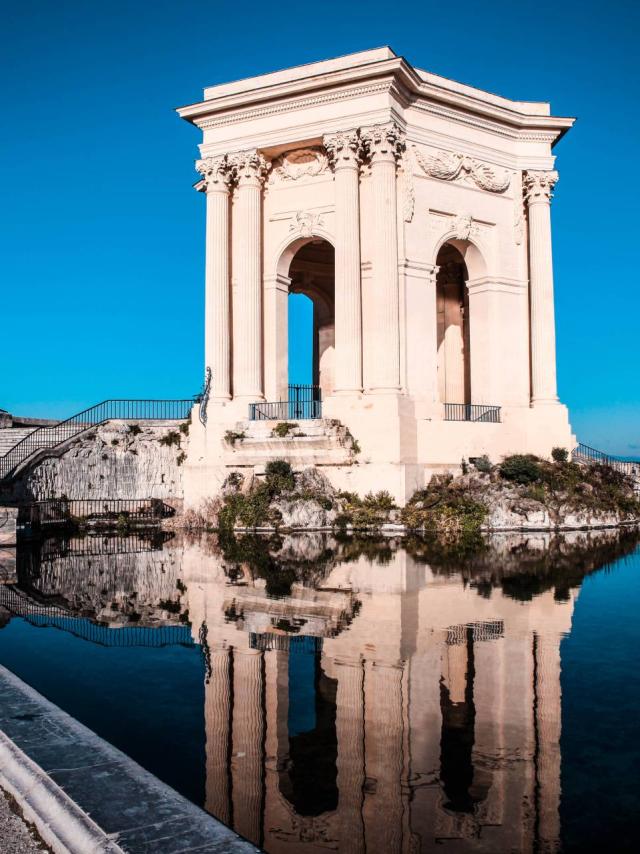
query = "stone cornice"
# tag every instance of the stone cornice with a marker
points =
(512, 118)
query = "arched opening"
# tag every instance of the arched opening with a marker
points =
(312, 328)
(452, 297)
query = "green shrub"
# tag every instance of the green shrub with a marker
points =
(171, 438)
(521, 468)
(279, 477)
(482, 464)
(134, 429)
(283, 429)
(181, 458)
(232, 436)
(559, 455)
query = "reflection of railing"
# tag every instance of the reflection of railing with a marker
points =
(304, 402)
(53, 616)
(585, 454)
(57, 511)
(472, 412)
(266, 641)
(46, 438)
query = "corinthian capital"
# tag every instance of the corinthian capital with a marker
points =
(538, 186)
(344, 148)
(249, 167)
(383, 142)
(216, 173)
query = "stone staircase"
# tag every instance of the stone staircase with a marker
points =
(310, 442)
(10, 436)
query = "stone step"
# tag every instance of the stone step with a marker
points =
(10, 436)
(264, 429)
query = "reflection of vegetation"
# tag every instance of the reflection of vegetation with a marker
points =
(523, 571)
(263, 557)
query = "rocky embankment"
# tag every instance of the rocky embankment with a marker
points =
(522, 493)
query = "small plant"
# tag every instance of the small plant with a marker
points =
(355, 446)
(283, 429)
(181, 586)
(233, 481)
(482, 464)
(233, 436)
(279, 476)
(134, 429)
(521, 468)
(170, 439)
(184, 428)
(115, 442)
(181, 458)
(559, 455)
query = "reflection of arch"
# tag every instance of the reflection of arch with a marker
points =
(452, 304)
(307, 263)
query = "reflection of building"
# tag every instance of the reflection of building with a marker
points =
(423, 712)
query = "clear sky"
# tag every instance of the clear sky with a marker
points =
(102, 237)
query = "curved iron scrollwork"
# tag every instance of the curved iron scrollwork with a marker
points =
(205, 397)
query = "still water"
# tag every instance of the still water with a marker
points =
(357, 695)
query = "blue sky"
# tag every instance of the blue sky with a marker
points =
(102, 238)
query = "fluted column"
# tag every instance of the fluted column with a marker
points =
(250, 169)
(538, 192)
(217, 719)
(248, 746)
(215, 173)
(344, 151)
(384, 144)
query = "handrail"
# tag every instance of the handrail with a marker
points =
(484, 413)
(303, 402)
(116, 409)
(586, 454)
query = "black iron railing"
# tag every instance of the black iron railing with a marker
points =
(59, 511)
(304, 402)
(472, 412)
(585, 454)
(109, 410)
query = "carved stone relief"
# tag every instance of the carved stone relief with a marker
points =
(450, 166)
(302, 162)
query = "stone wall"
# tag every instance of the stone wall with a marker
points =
(117, 460)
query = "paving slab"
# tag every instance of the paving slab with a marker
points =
(134, 810)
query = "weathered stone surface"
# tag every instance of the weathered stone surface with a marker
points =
(118, 460)
(8, 520)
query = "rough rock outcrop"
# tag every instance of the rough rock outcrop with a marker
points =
(117, 460)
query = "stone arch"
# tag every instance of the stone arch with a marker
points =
(453, 325)
(306, 263)
(473, 255)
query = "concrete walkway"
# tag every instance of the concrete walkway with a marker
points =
(86, 796)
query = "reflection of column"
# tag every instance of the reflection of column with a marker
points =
(344, 150)
(250, 169)
(215, 182)
(548, 725)
(276, 665)
(216, 722)
(383, 807)
(350, 762)
(248, 725)
(384, 145)
(455, 676)
(538, 189)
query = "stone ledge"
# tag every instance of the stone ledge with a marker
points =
(60, 771)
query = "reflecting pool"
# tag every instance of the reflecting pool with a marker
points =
(353, 695)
